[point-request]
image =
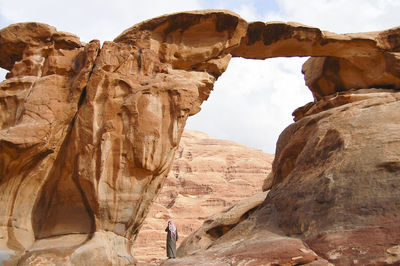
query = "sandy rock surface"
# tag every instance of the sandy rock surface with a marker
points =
(88, 135)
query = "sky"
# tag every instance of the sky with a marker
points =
(253, 100)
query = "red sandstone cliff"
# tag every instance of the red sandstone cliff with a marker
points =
(88, 135)
(207, 176)
(333, 196)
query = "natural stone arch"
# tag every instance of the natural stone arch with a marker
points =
(369, 58)
(127, 106)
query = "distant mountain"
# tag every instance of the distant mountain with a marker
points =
(207, 176)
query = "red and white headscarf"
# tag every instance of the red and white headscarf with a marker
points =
(172, 228)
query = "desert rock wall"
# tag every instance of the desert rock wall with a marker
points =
(333, 197)
(38, 101)
(88, 134)
(207, 176)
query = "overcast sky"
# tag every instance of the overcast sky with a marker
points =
(253, 100)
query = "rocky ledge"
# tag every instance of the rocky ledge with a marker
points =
(88, 136)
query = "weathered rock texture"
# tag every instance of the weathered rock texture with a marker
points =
(207, 176)
(49, 72)
(88, 135)
(219, 224)
(211, 244)
(334, 190)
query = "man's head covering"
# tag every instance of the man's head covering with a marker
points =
(172, 228)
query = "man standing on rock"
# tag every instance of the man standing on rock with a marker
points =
(172, 237)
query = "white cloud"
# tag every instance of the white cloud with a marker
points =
(247, 11)
(91, 19)
(340, 16)
(253, 100)
(3, 73)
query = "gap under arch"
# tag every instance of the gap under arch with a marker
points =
(252, 102)
(3, 73)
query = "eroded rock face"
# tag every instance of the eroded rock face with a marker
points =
(88, 135)
(38, 101)
(207, 176)
(219, 224)
(342, 174)
(212, 243)
(334, 190)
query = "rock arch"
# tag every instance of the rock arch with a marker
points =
(118, 112)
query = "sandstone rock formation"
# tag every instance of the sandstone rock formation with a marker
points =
(207, 176)
(88, 135)
(335, 187)
(209, 245)
(49, 72)
(340, 61)
(219, 224)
